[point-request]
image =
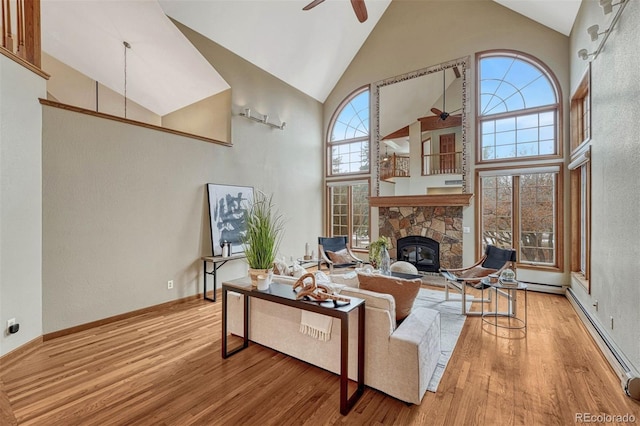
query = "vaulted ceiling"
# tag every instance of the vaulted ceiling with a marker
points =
(309, 50)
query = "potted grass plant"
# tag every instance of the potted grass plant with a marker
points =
(264, 226)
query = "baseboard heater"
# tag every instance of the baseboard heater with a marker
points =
(546, 288)
(629, 377)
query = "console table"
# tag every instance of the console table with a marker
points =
(284, 295)
(217, 261)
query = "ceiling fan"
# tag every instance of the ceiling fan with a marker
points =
(358, 7)
(443, 114)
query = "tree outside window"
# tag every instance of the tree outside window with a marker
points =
(519, 211)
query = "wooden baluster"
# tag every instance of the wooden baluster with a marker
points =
(28, 43)
(4, 37)
(20, 30)
(8, 41)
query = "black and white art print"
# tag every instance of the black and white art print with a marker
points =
(227, 207)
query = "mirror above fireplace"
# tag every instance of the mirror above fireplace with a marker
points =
(419, 135)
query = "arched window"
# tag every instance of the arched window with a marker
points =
(349, 136)
(517, 108)
(518, 115)
(348, 170)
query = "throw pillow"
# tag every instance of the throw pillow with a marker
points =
(404, 268)
(403, 291)
(340, 257)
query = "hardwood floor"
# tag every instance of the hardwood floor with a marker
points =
(164, 368)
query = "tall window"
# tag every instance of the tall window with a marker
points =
(348, 170)
(580, 169)
(519, 210)
(518, 110)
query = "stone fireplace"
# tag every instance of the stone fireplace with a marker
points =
(437, 217)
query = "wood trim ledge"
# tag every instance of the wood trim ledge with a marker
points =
(60, 105)
(439, 200)
(24, 63)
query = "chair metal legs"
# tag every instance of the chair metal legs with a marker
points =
(462, 288)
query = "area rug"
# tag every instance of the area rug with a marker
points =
(451, 322)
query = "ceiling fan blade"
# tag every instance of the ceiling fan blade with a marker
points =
(360, 9)
(313, 4)
(435, 122)
(436, 111)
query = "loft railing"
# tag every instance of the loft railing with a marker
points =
(394, 166)
(21, 29)
(442, 164)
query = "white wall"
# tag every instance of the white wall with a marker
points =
(412, 35)
(615, 168)
(125, 208)
(20, 203)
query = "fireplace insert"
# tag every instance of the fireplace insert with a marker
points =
(422, 252)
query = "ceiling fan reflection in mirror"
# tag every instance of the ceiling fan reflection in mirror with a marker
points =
(443, 114)
(358, 7)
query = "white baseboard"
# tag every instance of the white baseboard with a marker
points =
(629, 377)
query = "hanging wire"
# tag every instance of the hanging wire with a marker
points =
(126, 46)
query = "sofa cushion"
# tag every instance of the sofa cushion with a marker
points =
(403, 291)
(350, 279)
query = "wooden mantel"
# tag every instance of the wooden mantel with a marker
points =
(444, 200)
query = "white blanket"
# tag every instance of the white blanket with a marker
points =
(316, 325)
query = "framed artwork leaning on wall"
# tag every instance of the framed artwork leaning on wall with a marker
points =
(227, 207)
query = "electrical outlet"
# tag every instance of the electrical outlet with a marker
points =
(169, 284)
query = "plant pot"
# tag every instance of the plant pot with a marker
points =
(253, 274)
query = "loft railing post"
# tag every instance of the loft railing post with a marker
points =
(33, 53)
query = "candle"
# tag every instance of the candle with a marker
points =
(306, 249)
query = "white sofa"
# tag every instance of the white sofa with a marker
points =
(399, 361)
